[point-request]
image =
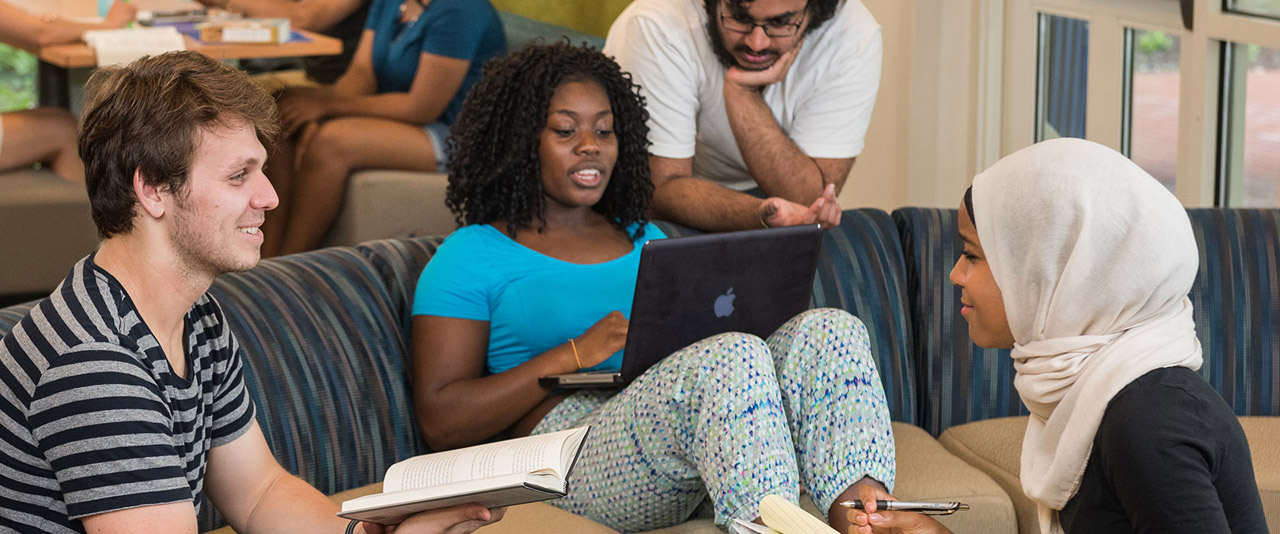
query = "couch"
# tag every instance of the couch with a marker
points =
(326, 340)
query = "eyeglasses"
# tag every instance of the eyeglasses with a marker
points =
(771, 28)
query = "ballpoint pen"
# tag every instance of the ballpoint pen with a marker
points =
(931, 508)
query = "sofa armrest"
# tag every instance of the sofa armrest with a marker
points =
(927, 471)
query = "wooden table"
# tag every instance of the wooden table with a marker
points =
(55, 60)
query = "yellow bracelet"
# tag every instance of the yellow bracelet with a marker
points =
(764, 224)
(575, 352)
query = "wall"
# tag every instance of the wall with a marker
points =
(879, 177)
(937, 116)
(590, 16)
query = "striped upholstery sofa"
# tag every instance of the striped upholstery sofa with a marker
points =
(326, 341)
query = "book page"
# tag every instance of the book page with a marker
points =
(521, 455)
(569, 451)
(743, 527)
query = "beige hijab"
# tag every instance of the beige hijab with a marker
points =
(1094, 259)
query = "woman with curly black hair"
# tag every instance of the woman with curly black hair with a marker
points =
(494, 174)
(550, 179)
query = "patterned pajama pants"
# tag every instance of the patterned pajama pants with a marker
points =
(734, 418)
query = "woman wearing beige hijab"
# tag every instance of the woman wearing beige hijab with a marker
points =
(1081, 262)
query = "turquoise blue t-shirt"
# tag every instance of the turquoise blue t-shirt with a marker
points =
(461, 29)
(532, 302)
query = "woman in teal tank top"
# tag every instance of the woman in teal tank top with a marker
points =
(550, 179)
(391, 109)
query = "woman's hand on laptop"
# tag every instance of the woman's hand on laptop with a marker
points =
(602, 340)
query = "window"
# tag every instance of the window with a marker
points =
(1249, 157)
(17, 79)
(1149, 134)
(1063, 75)
(1194, 101)
(1266, 8)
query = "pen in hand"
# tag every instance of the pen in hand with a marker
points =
(941, 508)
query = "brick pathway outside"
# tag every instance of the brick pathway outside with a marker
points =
(1155, 131)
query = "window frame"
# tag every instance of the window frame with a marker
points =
(1200, 162)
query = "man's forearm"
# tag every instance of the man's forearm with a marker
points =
(293, 506)
(777, 165)
(705, 205)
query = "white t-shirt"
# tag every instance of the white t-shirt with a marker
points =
(823, 104)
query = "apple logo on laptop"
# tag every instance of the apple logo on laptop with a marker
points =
(724, 304)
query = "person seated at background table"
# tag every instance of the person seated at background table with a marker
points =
(1081, 262)
(551, 179)
(342, 19)
(45, 135)
(124, 403)
(390, 110)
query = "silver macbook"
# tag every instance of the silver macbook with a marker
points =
(691, 288)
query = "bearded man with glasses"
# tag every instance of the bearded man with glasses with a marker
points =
(758, 108)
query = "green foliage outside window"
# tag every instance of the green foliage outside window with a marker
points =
(17, 79)
(1153, 42)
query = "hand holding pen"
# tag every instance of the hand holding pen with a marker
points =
(927, 508)
(885, 513)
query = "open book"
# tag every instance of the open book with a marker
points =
(112, 47)
(506, 473)
(782, 518)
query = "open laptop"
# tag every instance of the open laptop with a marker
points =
(691, 288)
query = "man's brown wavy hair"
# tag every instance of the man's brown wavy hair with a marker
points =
(146, 117)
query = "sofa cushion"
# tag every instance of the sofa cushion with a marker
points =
(994, 446)
(399, 262)
(1265, 450)
(324, 362)
(861, 270)
(958, 381)
(10, 316)
(1235, 305)
(929, 472)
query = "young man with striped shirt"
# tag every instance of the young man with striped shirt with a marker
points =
(122, 397)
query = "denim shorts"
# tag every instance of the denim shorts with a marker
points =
(438, 132)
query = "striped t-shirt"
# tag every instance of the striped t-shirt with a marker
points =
(92, 417)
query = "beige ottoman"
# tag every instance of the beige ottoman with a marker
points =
(380, 204)
(47, 229)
